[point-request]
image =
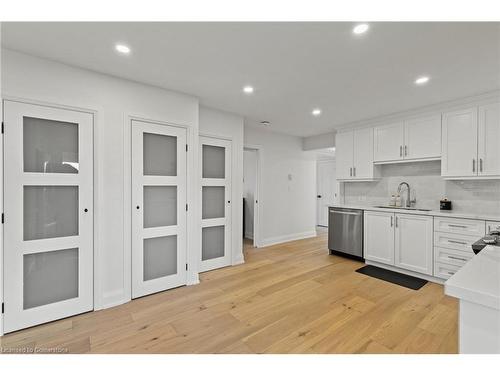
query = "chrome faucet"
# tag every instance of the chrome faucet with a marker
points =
(408, 201)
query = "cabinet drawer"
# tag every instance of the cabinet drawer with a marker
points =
(454, 241)
(451, 256)
(445, 271)
(460, 226)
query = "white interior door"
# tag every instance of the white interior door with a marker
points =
(215, 203)
(48, 250)
(158, 207)
(326, 189)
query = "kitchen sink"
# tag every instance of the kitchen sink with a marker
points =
(404, 208)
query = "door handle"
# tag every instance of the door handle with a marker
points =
(473, 165)
(400, 151)
(406, 150)
(392, 219)
(396, 221)
(350, 171)
(354, 171)
(480, 164)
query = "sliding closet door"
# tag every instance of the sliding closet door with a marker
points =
(215, 203)
(48, 199)
(158, 207)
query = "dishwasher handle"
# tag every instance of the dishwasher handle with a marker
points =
(347, 212)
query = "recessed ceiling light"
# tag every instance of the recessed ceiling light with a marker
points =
(361, 28)
(422, 80)
(316, 112)
(248, 90)
(122, 48)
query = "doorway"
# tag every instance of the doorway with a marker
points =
(48, 187)
(251, 168)
(159, 217)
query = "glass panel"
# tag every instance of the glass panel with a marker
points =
(160, 155)
(50, 146)
(50, 211)
(212, 242)
(160, 206)
(213, 161)
(50, 277)
(160, 257)
(212, 202)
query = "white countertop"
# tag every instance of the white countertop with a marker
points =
(451, 213)
(479, 280)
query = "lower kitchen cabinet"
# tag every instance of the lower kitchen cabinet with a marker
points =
(401, 240)
(413, 242)
(379, 236)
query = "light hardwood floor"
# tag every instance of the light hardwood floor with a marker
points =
(289, 298)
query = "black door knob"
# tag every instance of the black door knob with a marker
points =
(86, 210)
(319, 196)
(137, 207)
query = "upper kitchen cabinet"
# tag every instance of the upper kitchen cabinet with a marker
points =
(470, 143)
(411, 140)
(354, 155)
(388, 142)
(488, 140)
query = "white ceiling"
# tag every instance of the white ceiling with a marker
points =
(294, 67)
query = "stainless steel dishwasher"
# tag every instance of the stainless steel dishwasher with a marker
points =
(345, 232)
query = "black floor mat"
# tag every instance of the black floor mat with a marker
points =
(393, 277)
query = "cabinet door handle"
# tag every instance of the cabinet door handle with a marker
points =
(400, 151)
(392, 218)
(457, 258)
(406, 150)
(457, 226)
(457, 242)
(350, 171)
(354, 171)
(473, 165)
(396, 221)
(480, 164)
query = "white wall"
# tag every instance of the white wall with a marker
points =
(287, 207)
(249, 183)
(113, 100)
(226, 125)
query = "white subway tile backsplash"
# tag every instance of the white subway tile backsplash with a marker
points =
(482, 196)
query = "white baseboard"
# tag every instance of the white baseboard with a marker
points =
(249, 236)
(287, 238)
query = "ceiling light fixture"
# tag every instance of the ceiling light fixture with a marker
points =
(422, 80)
(361, 28)
(316, 112)
(122, 48)
(248, 90)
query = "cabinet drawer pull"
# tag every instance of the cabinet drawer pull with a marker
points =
(457, 226)
(457, 258)
(450, 273)
(457, 242)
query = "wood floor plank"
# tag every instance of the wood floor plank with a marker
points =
(285, 298)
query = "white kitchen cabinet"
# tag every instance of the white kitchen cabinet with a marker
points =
(470, 142)
(422, 138)
(344, 154)
(354, 155)
(379, 236)
(489, 140)
(413, 243)
(492, 225)
(388, 142)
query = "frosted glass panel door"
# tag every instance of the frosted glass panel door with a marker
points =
(158, 207)
(215, 203)
(48, 257)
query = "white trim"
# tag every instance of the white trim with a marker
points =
(432, 109)
(406, 272)
(288, 238)
(258, 209)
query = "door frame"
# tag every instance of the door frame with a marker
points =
(257, 207)
(95, 184)
(191, 197)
